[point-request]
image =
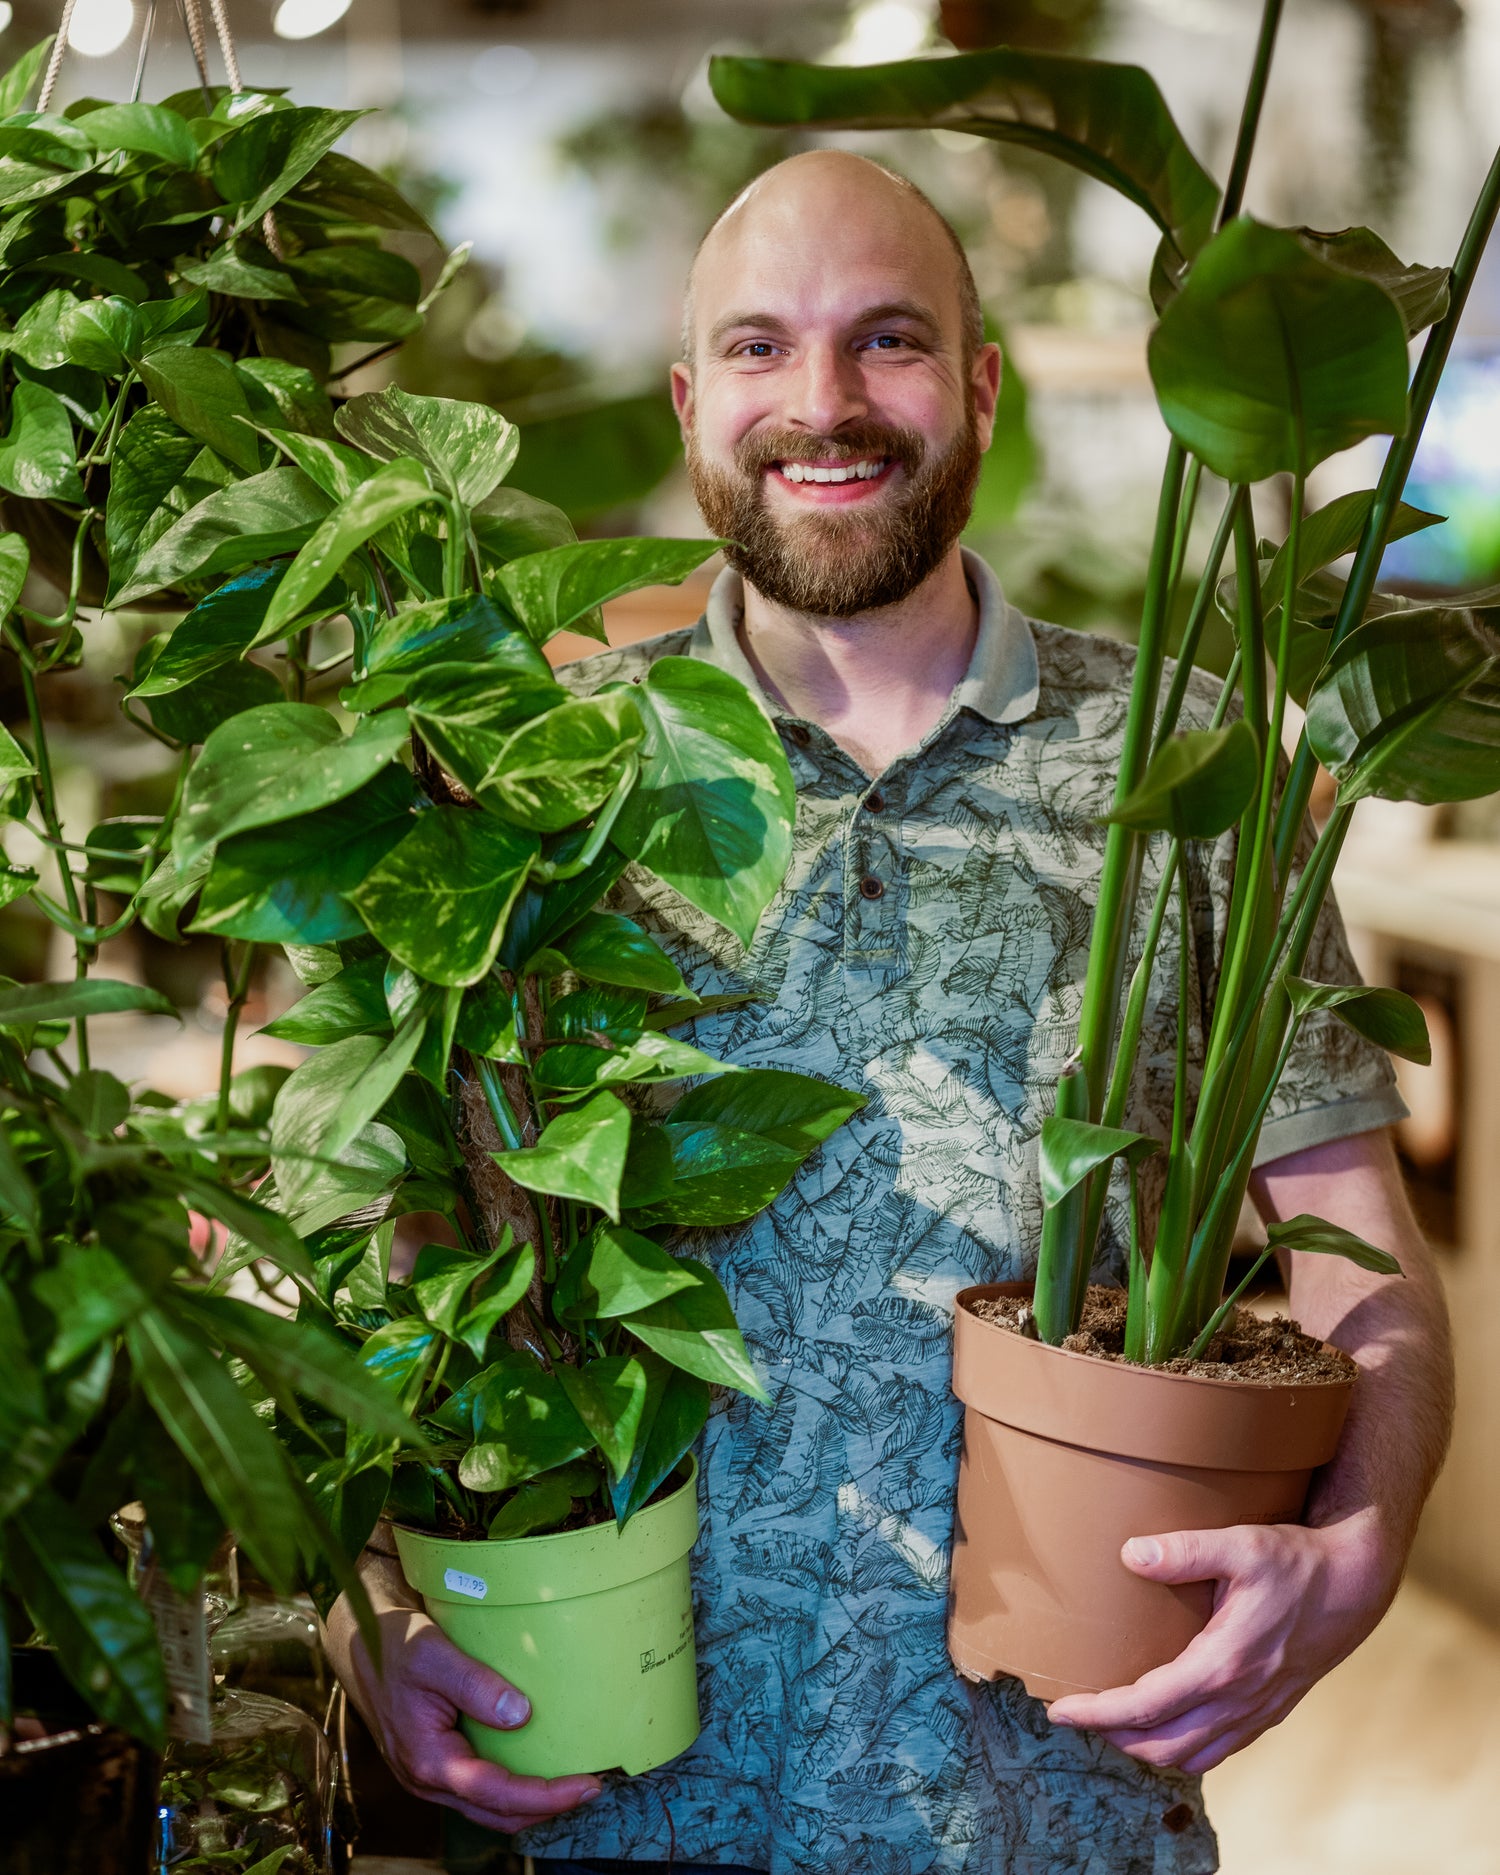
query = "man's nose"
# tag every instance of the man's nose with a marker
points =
(827, 390)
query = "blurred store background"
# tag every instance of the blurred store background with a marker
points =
(576, 145)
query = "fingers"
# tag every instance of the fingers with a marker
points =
(1199, 1555)
(1199, 1673)
(445, 1769)
(432, 1664)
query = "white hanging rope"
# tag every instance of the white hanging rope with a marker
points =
(226, 44)
(54, 63)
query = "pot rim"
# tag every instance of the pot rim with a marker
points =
(976, 1291)
(559, 1537)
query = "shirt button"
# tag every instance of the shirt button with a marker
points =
(870, 886)
(875, 802)
(799, 734)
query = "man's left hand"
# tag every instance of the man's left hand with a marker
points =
(1290, 1604)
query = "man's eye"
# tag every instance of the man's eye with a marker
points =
(757, 348)
(886, 341)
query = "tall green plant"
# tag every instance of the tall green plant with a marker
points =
(1276, 348)
(375, 771)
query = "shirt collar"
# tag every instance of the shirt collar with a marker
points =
(1001, 683)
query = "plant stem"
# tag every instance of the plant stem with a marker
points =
(238, 986)
(1122, 846)
(1192, 633)
(1255, 97)
(1221, 1314)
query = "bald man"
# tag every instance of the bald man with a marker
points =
(952, 758)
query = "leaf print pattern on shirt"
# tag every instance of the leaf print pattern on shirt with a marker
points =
(838, 1739)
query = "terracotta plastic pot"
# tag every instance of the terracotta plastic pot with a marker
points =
(1066, 1457)
(595, 1626)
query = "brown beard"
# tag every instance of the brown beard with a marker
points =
(838, 564)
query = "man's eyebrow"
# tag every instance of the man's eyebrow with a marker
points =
(909, 310)
(734, 321)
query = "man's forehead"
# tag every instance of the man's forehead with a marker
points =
(826, 241)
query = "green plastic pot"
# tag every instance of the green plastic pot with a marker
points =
(594, 1626)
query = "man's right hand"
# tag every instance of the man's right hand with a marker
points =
(413, 1705)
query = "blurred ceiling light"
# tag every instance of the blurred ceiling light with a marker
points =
(304, 19)
(7, 14)
(883, 29)
(99, 27)
(503, 71)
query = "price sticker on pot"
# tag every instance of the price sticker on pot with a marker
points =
(475, 1587)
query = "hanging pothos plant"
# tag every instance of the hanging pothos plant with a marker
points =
(377, 771)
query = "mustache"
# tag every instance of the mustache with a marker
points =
(765, 448)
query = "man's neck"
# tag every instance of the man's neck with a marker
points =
(877, 682)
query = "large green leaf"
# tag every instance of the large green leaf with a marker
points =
(555, 590)
(15, 86)
(614, 1272)
(102, 1630)
(1420, 293)
(502, 1290)
(37, 457)
(266, 159)
(15, 562)
(1110, 121)
(712, 813)
(523, 1423)
(266, 514)
(277, 762)
(91, 1294)
(24, 1004)
(326, 1102)
(645, 1059)
(1408, 708)
(151, 456)
(103, 334)
(192, 713)
(438, 900)
(238, 277)
(289, 883)
(609, 1396)
(468, 448)
(144, 129)
(557, 768)
(1386, 1017)
(677, 1406)
(343, 187)
(1332, 531)
(1314, 1235)
(1198, 783)
(199, 391)
(609, 948)
(466, 716)
(717, 1175)
(508, 524)
(391, 492)
(351, 1003)
(793, 1110)
(695, 1329)
(218, 630)
(234, 1453)
(469, 630)
(1269, 360)
(580, 1155)
(1073, 1149)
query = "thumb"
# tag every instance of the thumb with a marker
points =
(1180, 1556)
(477, 1691)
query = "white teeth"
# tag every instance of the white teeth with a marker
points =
(854, 471)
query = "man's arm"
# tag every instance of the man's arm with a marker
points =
(1291, 1600)
(413, 1707)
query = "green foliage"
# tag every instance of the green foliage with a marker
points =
(1276, 349)
(168, 433)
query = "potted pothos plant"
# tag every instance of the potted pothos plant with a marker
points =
(436, 876)
(1275, 348)
(381, 776)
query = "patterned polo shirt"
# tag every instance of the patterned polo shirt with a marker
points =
(928, 948)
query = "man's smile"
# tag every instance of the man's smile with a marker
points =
(834, 483)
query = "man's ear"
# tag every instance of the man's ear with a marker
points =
(682, 397)
(984, 385)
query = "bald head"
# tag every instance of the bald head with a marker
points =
(843, 211)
